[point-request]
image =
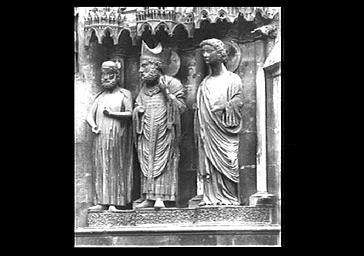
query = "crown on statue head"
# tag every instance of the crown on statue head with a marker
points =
(111, 65)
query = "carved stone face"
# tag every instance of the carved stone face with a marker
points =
(248, 13)
(270, 12)
(148, 71)
(210, 54)
(109, 78)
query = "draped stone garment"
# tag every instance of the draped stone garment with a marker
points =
(218, 136)
(113, 150)
(157, 135)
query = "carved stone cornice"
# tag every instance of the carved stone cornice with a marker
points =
(136, 20)
(169, 18)
(112, 19)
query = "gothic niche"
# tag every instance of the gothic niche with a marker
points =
(175, 81)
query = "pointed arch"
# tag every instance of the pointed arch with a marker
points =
(179, 25)
(89, 33)
(142, 27)
(163, 24)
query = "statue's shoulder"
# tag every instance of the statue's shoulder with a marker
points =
(235, 78)
(233, 75)
(98, 95)
(173, 82)
(125, 92)
(172, 79)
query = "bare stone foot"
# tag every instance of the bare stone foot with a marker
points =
(235, 203)
(159, 204)
(98, 207)
(112, 208)
(202, 203)
(145, 204)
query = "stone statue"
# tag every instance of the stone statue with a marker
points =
(218, 122)
(157, 127)
(110, 120)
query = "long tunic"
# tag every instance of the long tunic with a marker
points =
(218, 137)
(113, 150)
(157, 134)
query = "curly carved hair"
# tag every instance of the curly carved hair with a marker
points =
(218, 45)
(156, 61)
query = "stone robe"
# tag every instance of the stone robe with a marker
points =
(157, 135)
(113, 150)
(218, 137)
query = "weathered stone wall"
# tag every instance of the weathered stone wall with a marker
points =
(84, 92)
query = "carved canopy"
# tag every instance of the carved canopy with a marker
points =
(136, 20)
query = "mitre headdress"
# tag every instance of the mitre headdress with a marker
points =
(169, 59)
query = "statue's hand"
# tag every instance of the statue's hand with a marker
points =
(107, 111)
(140, 109)
(217, 107)
(96, 130)
(162, 83)
(263, 29)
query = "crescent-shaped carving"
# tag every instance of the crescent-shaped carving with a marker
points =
(175, 63)
(234, 55)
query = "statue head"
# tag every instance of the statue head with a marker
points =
(249, 13)
(151, 62)
(213, 51)
(110, 74)
(150, 69)
(270, 12)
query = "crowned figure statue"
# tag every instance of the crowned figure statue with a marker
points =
(110, 121)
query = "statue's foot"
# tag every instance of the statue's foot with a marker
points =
(202, 203)
(112, 208)
(145, 204)
(159, 204)
(235, 203)
(98, 207)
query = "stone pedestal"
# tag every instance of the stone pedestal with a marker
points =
(196, 235)
(241, 215)
(206, 225)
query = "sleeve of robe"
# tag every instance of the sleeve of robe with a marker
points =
(127, 101)
(137, 120)
(176, 106)
(231, 116)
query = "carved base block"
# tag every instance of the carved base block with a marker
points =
(175, 235)
(262, 199)
(233, 214)
(111, 219)
(181, 216)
